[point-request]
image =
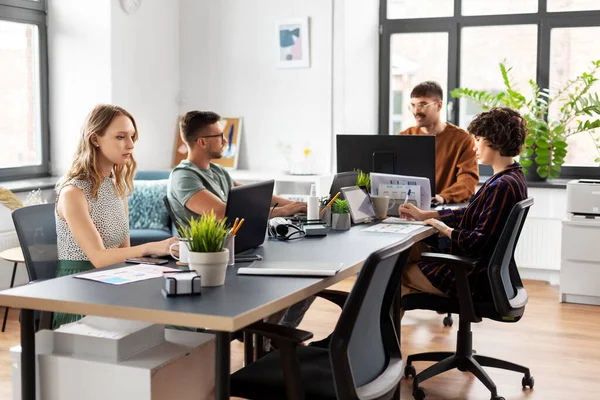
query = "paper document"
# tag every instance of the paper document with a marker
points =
(396, 220)
(393, 228)
(132, 273)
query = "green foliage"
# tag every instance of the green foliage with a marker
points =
(205, 234)
(340, 207)
(363, 179)
(547, 140)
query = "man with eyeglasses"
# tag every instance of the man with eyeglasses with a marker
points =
(457, 171)
(197, 186)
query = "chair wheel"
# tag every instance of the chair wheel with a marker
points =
(448, 321)
(410, 371)
(528, 381)
(419, 393)
(498, 398)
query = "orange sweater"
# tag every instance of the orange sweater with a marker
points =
(457, 172)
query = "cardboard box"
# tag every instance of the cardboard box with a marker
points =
(182, 368)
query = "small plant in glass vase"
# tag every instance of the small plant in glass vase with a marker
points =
(553, 116)
(340, 215)
(205, 238)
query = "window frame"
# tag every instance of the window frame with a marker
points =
(33, 13)
(544, 20)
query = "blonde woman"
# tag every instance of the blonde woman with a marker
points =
(92, 221)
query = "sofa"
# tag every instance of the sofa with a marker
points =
(148, 217)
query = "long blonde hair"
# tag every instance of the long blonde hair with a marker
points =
(85, 164)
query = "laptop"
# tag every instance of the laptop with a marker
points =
(292, 268)
(340, 180)
(253, 203)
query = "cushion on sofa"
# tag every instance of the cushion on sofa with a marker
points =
(146, 207)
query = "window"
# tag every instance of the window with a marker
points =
(483, 48)
(400, 9)
(23, 90)
(411, 65)
(461, 42)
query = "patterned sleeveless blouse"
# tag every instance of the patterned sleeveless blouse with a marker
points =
(108, 215)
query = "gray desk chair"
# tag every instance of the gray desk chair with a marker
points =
(363, 360)
(506, 304)
(36, 230)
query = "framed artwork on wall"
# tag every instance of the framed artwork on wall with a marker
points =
(232, 131)
(293, 43)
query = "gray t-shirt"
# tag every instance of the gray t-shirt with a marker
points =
(187, 179)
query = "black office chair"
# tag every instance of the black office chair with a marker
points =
(363, 360)
(507, 304)
(36, 230)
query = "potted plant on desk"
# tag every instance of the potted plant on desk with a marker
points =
(206, 243)
(340, 215)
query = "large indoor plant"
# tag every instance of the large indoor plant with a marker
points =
(546, 146)
(206, 243)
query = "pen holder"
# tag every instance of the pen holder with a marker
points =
(326, 216)
(230, 245)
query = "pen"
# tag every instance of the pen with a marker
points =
(330, 203)
(407, 196)
(235, 224)
(237, 228)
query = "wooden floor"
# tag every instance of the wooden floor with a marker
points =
(560, 343)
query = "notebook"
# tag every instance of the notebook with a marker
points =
(293, 268)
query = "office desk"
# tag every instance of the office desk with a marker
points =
(242, 301)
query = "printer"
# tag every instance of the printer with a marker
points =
(580, 252)
(583, 198)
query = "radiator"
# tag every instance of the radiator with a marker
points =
(539, 244)
(8, 240)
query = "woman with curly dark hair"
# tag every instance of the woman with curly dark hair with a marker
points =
(474, 230)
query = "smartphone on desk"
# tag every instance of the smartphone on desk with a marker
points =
(147, 260)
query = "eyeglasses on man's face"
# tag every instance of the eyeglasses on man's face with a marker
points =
(420, 106)
(221, 135)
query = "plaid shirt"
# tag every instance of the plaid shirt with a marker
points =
(478, 226)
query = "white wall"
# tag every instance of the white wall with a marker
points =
(79, 51)
(99, 54)
(145, 76)
(228, 66)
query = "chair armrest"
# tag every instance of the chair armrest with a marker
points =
(337, 297)
(460, 266)
(279, 333)
(449, 259)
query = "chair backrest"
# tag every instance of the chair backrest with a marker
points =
(36, 230)
(170, 210)
(364, 350)
(508, 293)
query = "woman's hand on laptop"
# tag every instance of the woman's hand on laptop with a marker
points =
(290, 209)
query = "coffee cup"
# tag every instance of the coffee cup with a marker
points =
(382, 204)
(183, 251)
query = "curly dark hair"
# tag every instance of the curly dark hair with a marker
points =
(194, 122)
(504, 129)
(428, 89)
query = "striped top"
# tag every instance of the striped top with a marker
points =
(478, 226)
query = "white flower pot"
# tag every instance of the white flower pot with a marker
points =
(340, 222)
(211, 267)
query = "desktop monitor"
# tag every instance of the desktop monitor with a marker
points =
(412, 155)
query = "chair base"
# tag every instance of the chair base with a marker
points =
(464, 360)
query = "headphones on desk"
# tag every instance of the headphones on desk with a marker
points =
(283, 229)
